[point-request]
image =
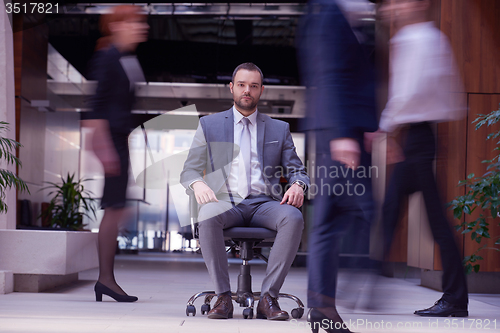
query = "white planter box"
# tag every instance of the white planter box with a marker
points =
(34, 255)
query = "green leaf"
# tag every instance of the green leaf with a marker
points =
(70, 203)
(476, 268)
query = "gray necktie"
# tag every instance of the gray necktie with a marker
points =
(245, 149)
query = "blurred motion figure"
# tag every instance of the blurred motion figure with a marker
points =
(341, 107)
(117, 70)
(422, 75)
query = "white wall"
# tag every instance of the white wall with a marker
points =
(7, 103)
(52, 150)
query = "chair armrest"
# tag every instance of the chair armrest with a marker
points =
(193, 212)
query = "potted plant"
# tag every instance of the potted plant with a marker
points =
(8, 178)
(70, 202)
(483, 193)
(73, 252)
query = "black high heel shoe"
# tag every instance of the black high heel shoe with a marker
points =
(318, 320)
(101, 289)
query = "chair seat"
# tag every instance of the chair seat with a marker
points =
(249, 232)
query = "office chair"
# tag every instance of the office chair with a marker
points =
(245, 240)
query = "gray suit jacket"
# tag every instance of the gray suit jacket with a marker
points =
(213, 149)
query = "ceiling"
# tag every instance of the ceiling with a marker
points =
(189, 57)
(198, 43)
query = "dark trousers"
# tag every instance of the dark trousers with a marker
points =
(414, 174)
(335, 207)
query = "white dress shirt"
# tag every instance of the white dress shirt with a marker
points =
(258, 185)
(423, 75)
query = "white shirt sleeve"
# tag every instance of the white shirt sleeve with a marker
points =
(423, 74)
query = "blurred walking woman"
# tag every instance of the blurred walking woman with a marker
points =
(117, 70)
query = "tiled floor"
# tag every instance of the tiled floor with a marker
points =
(164, 283)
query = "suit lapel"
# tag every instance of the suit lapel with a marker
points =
(261, 129)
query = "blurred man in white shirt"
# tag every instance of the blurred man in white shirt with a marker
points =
(422, 76)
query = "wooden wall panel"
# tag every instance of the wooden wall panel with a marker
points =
(472, 26)
(34, 61)
(478, 149)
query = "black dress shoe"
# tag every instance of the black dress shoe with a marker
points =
(268, 308)
(223, 308)
(318, 320)
(443, 308)
(101, 289)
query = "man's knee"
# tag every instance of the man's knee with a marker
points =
(293, 218)
(211, 213)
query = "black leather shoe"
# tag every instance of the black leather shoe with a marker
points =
(317, 320)
(444, 309)
(101, 289)
(223, 308)
(268, 308)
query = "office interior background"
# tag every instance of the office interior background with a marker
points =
(188, 59)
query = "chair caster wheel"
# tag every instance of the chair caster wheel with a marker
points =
(297, 313)
(190, 309)
(205, 308)
(248, 313)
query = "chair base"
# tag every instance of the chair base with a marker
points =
(246, 300)
(244, 239)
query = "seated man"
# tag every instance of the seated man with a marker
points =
(243, 154)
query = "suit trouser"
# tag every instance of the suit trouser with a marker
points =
(414, 174)
(335, 207)
(254, 211)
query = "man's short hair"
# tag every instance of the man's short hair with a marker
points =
(249, 66)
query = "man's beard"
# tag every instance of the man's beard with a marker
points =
(248, 107)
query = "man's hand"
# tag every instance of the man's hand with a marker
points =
(346, 151)
(369, 137)
(394, 151)
(294, 196)
(203, 193)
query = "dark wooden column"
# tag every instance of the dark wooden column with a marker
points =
(30, 66)
(472, 26)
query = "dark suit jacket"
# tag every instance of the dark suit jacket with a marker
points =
(113, 99)
(339, 76)
(213, 149)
